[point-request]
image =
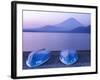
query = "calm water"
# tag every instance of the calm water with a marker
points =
(55, 41)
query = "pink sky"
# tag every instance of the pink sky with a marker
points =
(36, 19)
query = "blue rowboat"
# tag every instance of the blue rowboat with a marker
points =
(68, 56)
(37, 58)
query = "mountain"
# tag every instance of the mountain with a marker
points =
(70, 25)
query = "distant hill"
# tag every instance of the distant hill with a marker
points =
(46, 28)
(81, 30)
(71, 26)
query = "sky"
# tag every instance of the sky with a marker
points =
(38, 19)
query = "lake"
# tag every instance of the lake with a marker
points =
(55, 41)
